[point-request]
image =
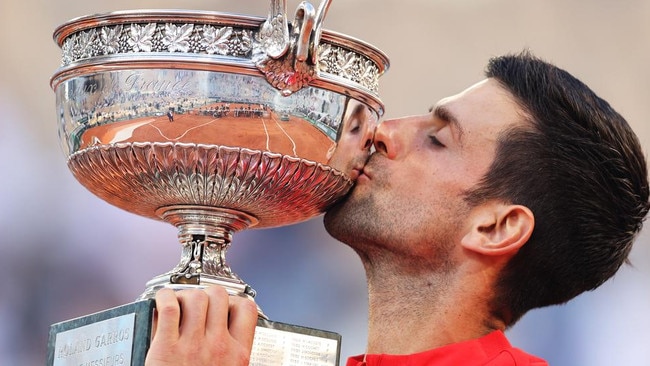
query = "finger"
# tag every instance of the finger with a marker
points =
(168, 316)
(217, 321)
(194, 306)
(242, 321)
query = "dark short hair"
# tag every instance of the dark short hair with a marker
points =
(579, 167)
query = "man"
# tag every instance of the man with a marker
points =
(522, 191)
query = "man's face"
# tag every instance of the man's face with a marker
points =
(409, 198)
(351, 151)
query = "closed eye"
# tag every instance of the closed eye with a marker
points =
(435, 141)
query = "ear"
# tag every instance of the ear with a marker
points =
(499, 229)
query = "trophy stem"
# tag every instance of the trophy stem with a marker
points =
(205, 234)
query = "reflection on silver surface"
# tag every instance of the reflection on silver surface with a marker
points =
(201, 120)
(194, 106)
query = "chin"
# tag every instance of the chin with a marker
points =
(335, 219)
(345, 218)
(331, 215)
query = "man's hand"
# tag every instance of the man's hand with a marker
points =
(202, 327)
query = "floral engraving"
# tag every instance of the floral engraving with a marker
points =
(345, 62)
(67, 50)
(110, 38)
(215, 40)
(85, 42)
(325, 54)
(223, 41)
(370, 76)
(350, 65)
(243, 44)
(177, 38)
(141, 39)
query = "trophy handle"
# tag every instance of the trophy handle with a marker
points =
(303, 25)
(289, 59)
(318, 30)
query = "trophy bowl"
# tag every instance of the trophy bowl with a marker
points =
(215, 122)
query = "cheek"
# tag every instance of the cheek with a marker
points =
(351, 141)
(464, 172)
(420, 226)
(479, 159)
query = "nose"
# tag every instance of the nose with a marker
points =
(386, 141)
(368, 136)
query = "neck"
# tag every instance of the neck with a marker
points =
(414, 312)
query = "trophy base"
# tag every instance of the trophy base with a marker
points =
(122, 335)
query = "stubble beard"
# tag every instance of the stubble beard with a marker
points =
(351, 220)
(374, 225)
(360, 221)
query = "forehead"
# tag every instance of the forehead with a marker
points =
(485, 108)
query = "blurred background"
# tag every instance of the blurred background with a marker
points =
(65, 253)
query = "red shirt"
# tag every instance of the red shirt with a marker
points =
(490, 350)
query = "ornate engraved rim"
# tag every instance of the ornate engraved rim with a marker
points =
(204, 39)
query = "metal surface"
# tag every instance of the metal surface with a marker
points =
(215, 122)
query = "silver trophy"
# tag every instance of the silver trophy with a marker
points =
(214, 123)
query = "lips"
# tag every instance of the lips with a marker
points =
(355, 173)
(365, 171)
(360, 169)
(363, 174)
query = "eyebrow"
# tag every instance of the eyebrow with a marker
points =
(443, 113)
